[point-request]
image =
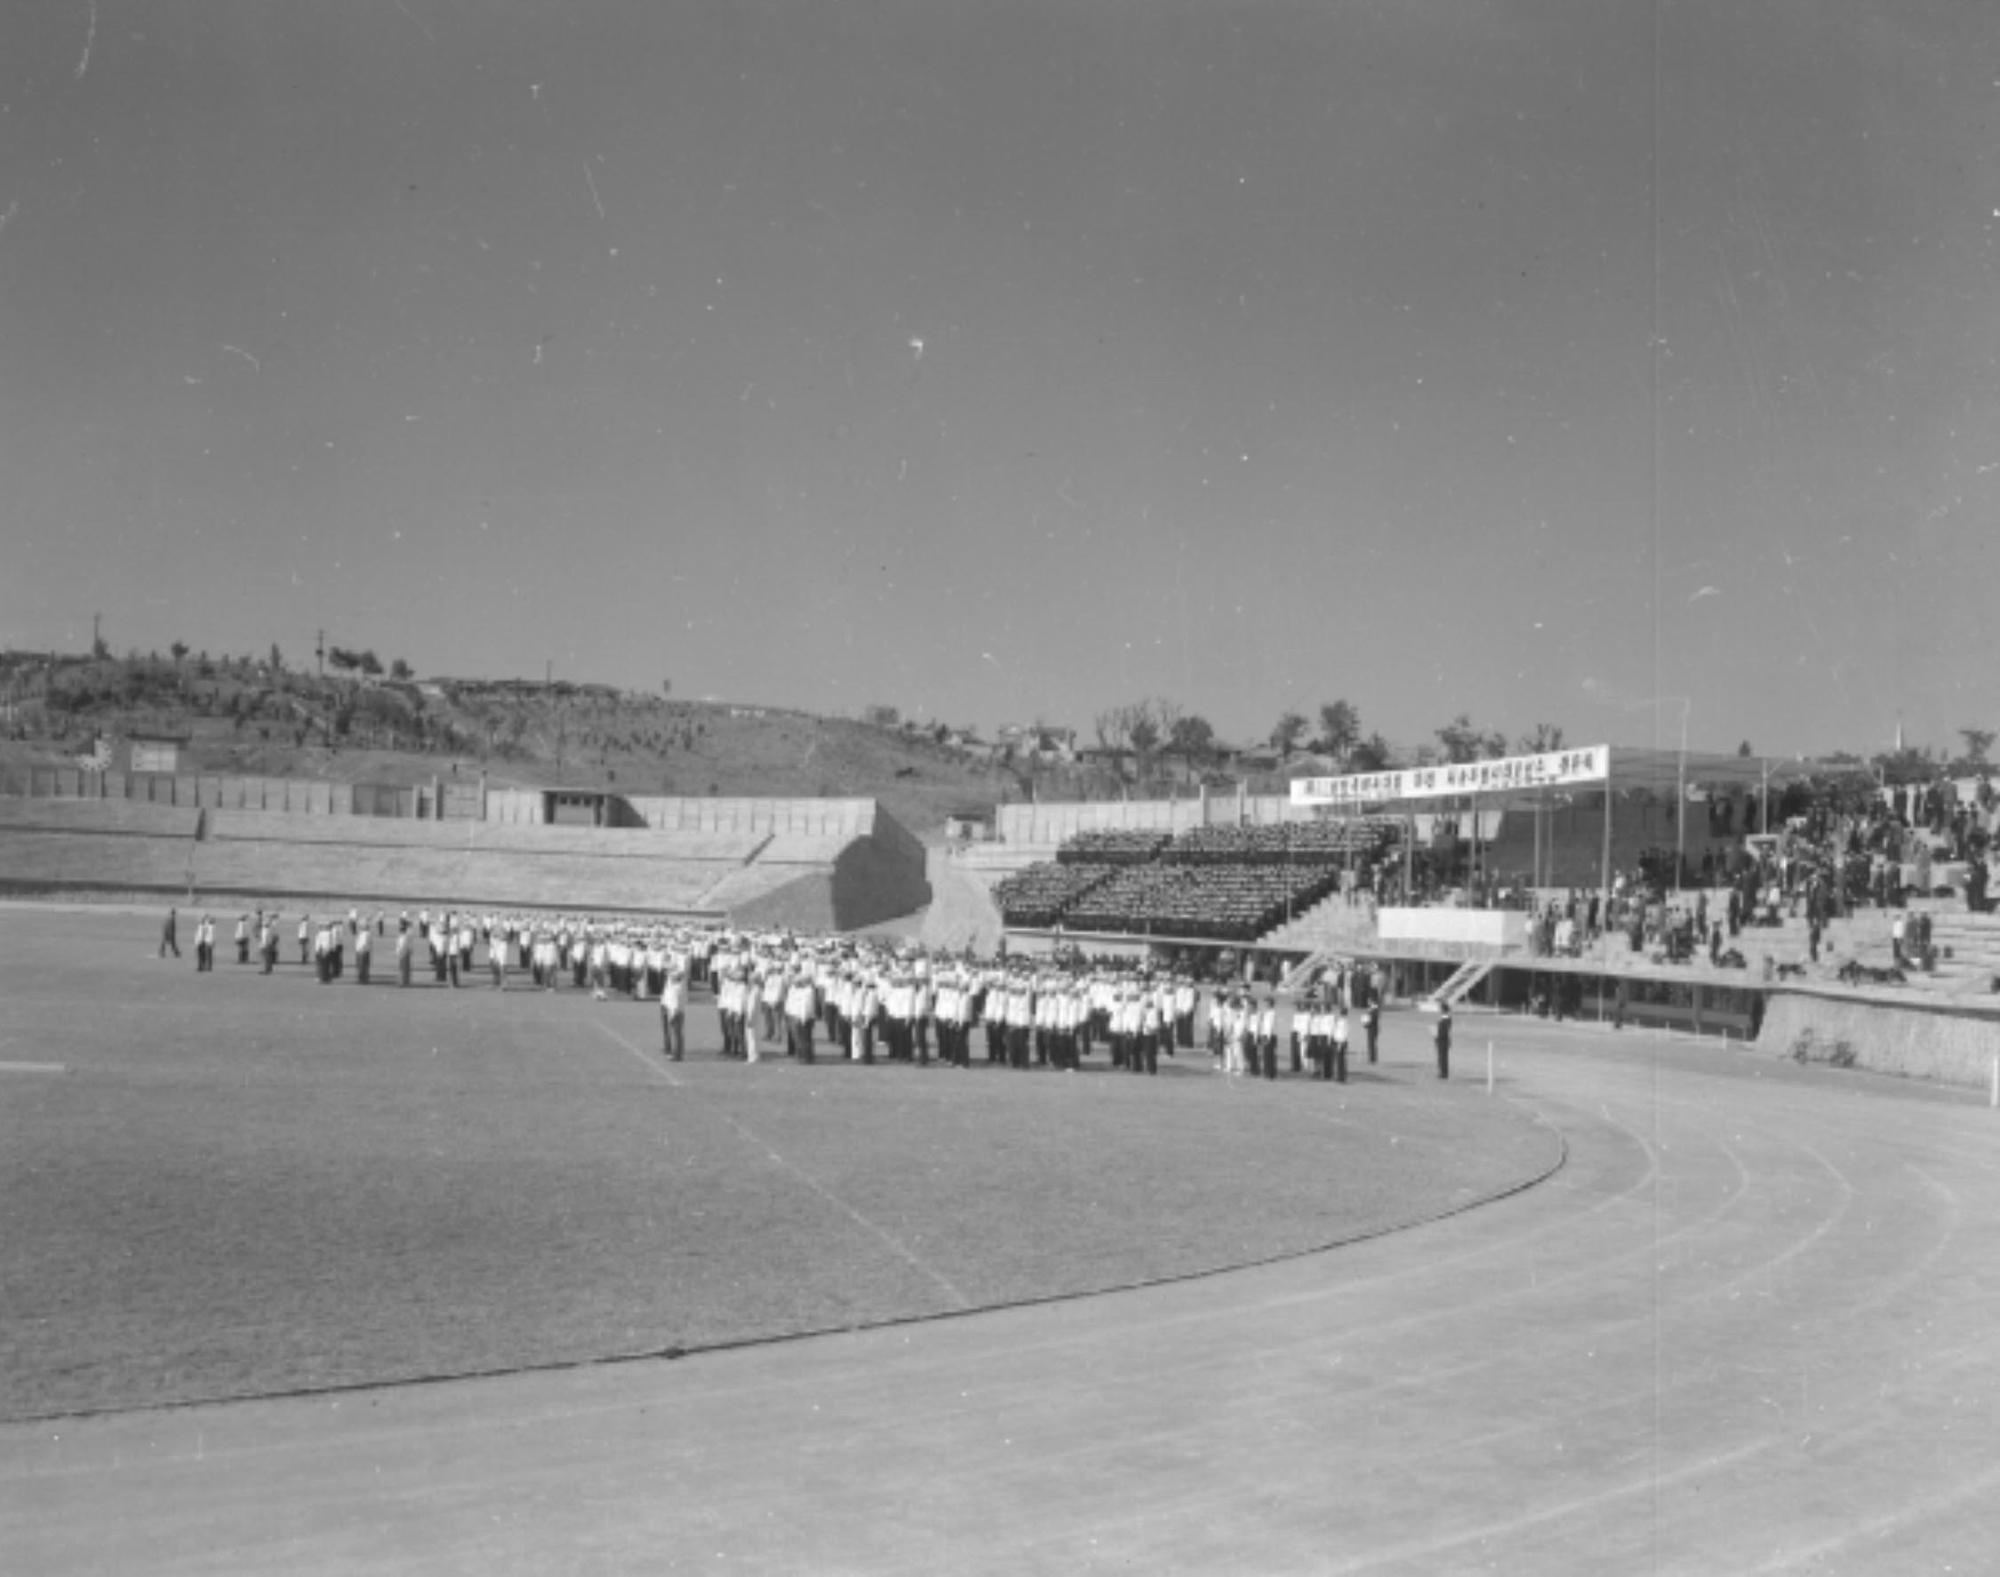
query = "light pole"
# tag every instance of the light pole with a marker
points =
(1681, 796)
(1680, 782)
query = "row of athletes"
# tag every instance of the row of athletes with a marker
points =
(867, 997)
(604, 955)
(859, 994)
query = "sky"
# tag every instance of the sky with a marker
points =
(1626, 365)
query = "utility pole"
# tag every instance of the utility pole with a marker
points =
(321, 653)
(96, 633)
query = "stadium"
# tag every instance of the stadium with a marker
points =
(901, 789)
(258, 1203)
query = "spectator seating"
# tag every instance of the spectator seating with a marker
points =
(1038, 896)
(299, 827)
(32, 861)
(118, 817)
(1278, 843)
(1112, 846)
(1223, 903)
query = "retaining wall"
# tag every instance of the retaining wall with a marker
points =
(1915, 1041)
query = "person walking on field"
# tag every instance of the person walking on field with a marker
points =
(167, 942)
(673, 1009)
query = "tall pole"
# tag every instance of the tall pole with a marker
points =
(1680, 801)
(1537, 883)
(1604, 868)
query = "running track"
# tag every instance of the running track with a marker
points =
(1749, 1327)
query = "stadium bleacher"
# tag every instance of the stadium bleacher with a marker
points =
(1039, 895)
(786, 863)
(111, 817)
(1277, 843)
(298, 827)
(34, 860)
(1111, 846)
(1213, 902)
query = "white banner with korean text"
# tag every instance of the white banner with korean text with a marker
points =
(1585, 764)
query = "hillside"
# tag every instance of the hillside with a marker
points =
(239, 715)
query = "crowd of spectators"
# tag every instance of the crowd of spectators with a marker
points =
(1111, 846)
(1037, 895)
(1224, 903)
(1282, 842)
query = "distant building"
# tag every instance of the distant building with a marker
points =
(1039, 740)
(155, 752)
(969, 824)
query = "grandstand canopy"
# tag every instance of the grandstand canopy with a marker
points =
(1663, 769)
(1574, 773)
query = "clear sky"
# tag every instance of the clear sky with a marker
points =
(1565, 360)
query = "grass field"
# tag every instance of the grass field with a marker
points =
(242, 1185)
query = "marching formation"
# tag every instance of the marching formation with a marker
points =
(855, 999)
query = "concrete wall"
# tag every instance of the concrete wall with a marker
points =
(1052, 823)
(1917, 1042)
(517, 807)
(854, 818)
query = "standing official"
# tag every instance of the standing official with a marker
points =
(1442, 1035)
(673, 1007)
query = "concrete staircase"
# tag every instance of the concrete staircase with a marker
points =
(1973, 941)
(1331, 925)
(1462, 980)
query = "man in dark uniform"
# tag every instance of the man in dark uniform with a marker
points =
(167, 942)
(1372, 1017)
(1443, 1037)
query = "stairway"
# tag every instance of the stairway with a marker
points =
(1332, 924)
(1973, 941)
(1462, 980)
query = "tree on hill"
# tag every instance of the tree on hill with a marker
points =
(880, 716)
(1462, 742)
(1977, 742)
(1339, 727)
(1369, 755)
(400, 670)
(180, 651)
(277, 659)
(1144, 735)
(1192, 738)
(1287, 732)
(1547, 738)
(343, 659)
(369, 663)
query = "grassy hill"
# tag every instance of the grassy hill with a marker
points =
(241, 715)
